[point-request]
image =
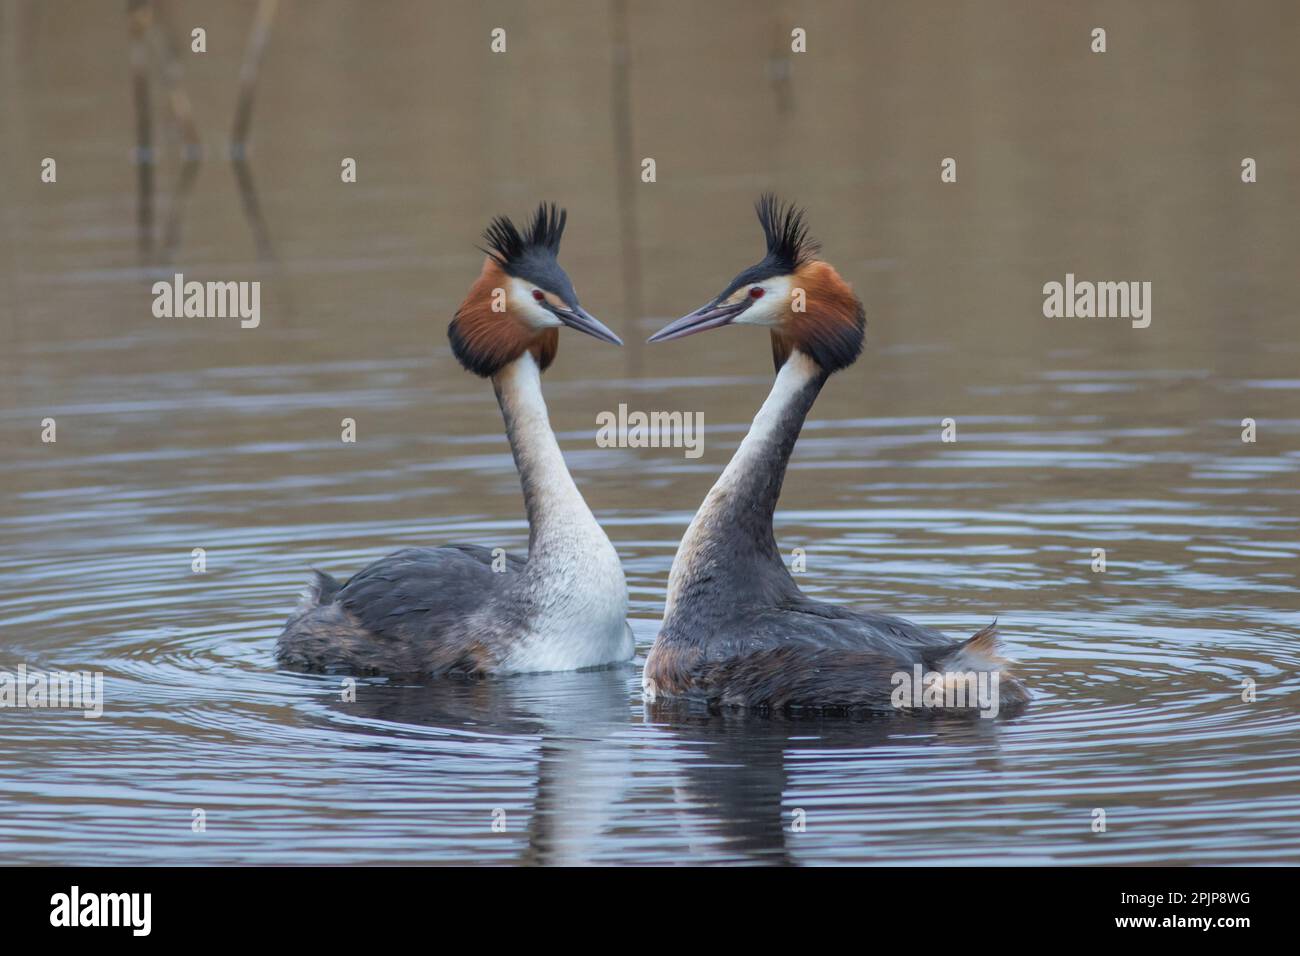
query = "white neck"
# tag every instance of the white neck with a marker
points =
(556, 508)
(755, 449)
(572, 592)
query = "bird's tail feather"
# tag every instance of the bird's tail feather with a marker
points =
(319, 592)
(981, 652)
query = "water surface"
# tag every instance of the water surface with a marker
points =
(1073, 435)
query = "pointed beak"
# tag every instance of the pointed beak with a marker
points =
(580, 319)
(711, 316)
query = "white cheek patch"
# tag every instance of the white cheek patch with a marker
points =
(774, 305)
(519, 298)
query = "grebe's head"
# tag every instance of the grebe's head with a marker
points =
(520, 299)
(801, 299)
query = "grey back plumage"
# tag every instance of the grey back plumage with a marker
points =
(430, 611)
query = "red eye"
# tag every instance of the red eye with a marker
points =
(756, 293)
(539, 295)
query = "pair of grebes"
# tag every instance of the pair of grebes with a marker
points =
(737, 632)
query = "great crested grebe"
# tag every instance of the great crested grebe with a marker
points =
(737, 631)
(448, 611)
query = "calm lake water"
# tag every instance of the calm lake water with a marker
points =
(1073, 434)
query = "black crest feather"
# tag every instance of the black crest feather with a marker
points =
(789, 245)
(510, 248)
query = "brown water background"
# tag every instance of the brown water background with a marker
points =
(1073, 434)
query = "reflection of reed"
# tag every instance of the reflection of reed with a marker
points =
(779, 63)
(253, 210)
(152, 36)
(151, 32)
(189, 172)
(258, 37)
(182, 113)
(182, 110)
(626, 178)
(139, 18)
(248, 73)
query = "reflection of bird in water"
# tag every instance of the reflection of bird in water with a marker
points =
(734, 779)
(584, 765)
(737, 631)
(153, 36)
